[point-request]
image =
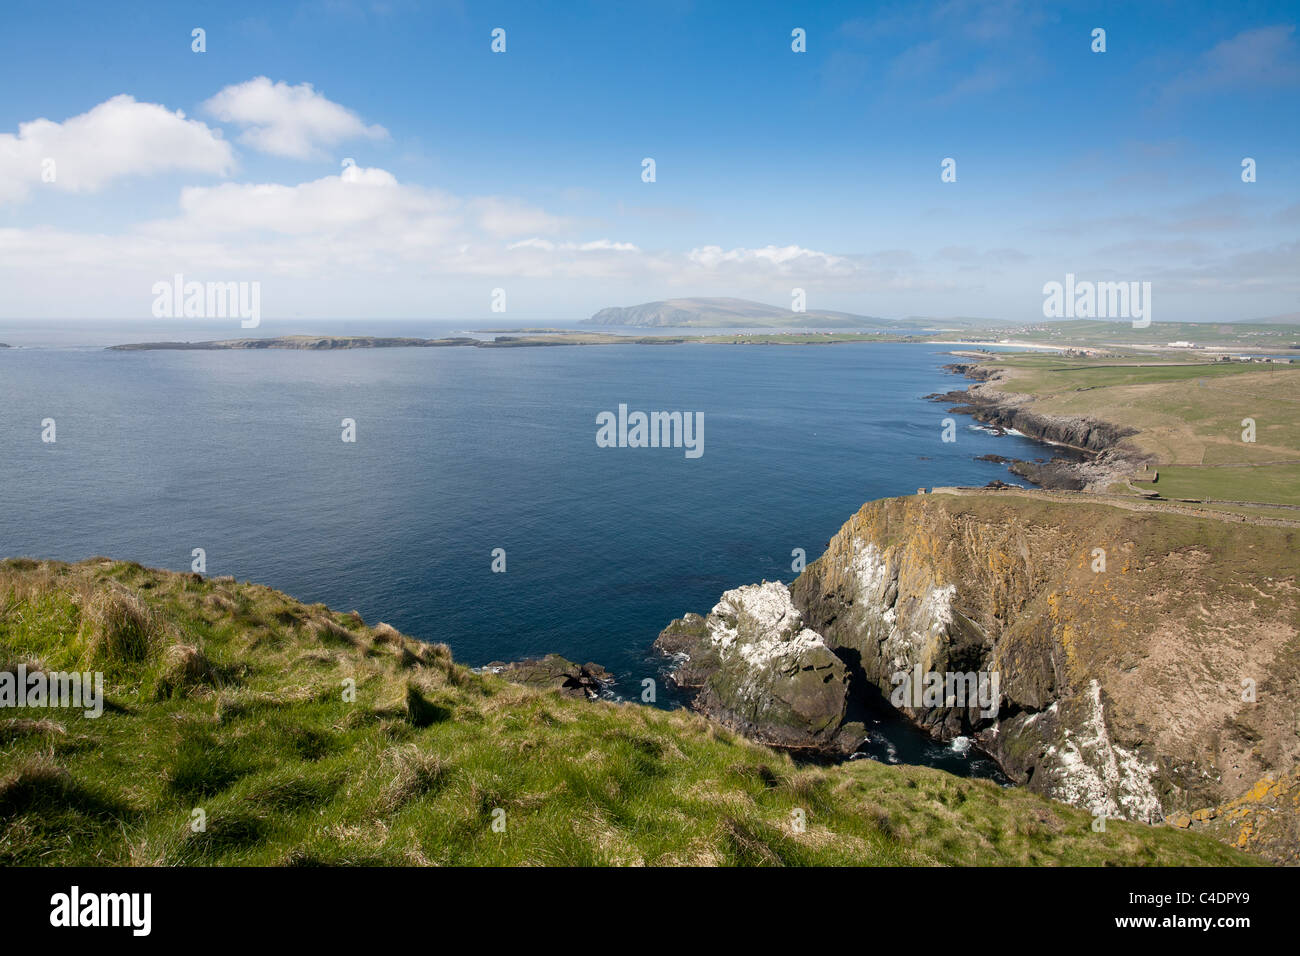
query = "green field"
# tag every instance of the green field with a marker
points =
(1278, 484)
(227, 699)
(1186, 415)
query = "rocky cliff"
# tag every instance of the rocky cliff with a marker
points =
(1143, 662)
(756, 667)
(311, 738)
(1107, 455)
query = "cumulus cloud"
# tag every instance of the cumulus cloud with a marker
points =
(597, 245)
(790, 260)
(284, 120)
(358, 198)
(120, 137)
(362, 219)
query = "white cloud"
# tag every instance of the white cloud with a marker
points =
(505, 218)
(358, 198)
(119, 137)
(788, 260)
(598, 245)
(364, 223)
(364, 217)
(284, 120)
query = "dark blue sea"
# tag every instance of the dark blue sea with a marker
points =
(460, 451)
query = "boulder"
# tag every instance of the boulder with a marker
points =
(554, 672)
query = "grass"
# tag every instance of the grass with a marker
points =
(228, 708)
(1278, 484)
(1186, 415)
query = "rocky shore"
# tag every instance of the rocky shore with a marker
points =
(1100, 454)
(755, 667)
(554, 672)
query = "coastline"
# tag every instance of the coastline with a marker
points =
(897, 569)
(1103, 456)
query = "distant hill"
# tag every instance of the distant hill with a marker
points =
(726, 313)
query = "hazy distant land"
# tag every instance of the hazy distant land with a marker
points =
(757, 323)
(720, 313)
(1192, 341)
(527, 339)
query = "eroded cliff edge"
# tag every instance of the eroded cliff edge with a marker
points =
(1124, 691)
(1108, 454)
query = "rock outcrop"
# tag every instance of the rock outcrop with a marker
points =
(1263, 820)
(1143, 662)
(1107, 457)
(756, 667)
(554, 672)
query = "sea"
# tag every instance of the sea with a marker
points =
(465, 459)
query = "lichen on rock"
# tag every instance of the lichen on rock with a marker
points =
(759, 669)
(1118, 691)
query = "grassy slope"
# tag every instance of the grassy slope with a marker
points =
(1188, 416)
(250, 726)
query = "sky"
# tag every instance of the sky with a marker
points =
(378, 159)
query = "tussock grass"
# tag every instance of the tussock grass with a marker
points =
(36, 784)
(233, 704)
(411, 774)
(15, 727)
(119, 628)
(184, 669)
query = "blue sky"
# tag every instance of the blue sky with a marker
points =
(774, 169)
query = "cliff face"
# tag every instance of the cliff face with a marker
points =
(311, 738)
(1110, 456)
(1118, 641)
